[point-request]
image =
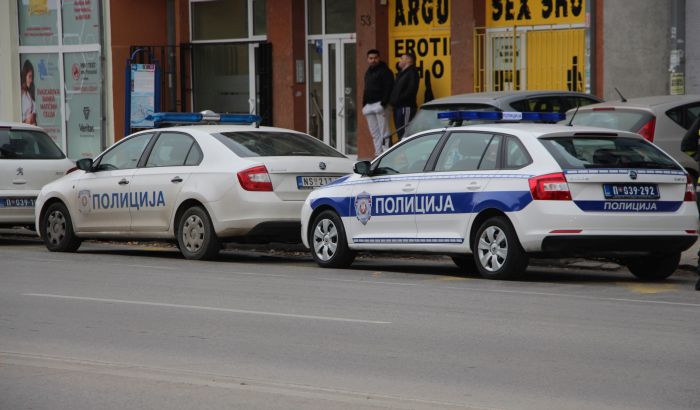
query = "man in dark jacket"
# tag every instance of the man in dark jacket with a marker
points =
(379, 81)
(403, 97)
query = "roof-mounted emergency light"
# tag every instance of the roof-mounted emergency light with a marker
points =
(454, 116)
(202, 118)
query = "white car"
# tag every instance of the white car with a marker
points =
(492, 195)
(198, 184)
(29, 159)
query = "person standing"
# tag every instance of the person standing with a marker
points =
(379, 81)
(27, 88)
(403, 96)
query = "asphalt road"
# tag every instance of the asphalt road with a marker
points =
(118, 326)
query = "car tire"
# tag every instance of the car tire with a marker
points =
(654, 267)
(196, 238)
(57, 229)
(329, 245)
(499, 254)
(465, 263)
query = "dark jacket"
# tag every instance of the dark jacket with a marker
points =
(405, 88)
(378, 83)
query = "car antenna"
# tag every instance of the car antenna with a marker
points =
(571, 121)
(622, 97)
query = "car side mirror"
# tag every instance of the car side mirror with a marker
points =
(362, 168)
(84, 163)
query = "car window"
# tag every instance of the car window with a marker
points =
(581, 152)
(275, 144)
(27, 144)
(463, 151)
(490, 158)
(573, 102)
(539, 104)
(408, 157)
(685, 115)
(426, 117)
(516, 154)
(124, 155)
(613, 119)
(195, 156)
(171, 149)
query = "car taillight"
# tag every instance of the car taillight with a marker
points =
(71, 170)
(255, 179)
(690, 195)
(647, 130)
(552, 187)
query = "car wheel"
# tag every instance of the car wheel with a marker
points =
(465, 263)
(57, 229)
(329, 245)
(195, 235)
(498, 251)
(654, 267)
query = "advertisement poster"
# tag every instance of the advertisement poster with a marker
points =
(143, 90)
(38, 21)
(425, 32)
(83, 104)
(81, 21)
(40, 89)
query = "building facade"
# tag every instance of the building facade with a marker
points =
(98, 67)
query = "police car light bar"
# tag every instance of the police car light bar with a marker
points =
(202, 117)
(501, 116)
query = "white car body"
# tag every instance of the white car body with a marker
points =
(146, 201)
(441, 212)
(21, 179)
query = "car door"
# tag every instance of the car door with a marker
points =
(160, 180)
(103, 195)
(447, 200)
(383, 204)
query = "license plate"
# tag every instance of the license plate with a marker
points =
(631, 191)
(312, 182)
(17, 202)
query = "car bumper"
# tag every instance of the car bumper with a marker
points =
(616, 245)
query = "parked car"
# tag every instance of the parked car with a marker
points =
(197, 184)
(662, 120)
(523, 101)
(29, 159)
(493, 195)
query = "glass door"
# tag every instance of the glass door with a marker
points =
(332, 93)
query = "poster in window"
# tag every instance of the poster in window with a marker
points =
(81, 22)
(38, 22)
(83, 86)
(143, 91)
(40, 92)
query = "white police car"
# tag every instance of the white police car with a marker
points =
(492, 195)
(200, 184)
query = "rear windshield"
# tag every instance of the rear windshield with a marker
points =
(581, 152)
(426, 118)
(27, 144)
(631, 121)
(275, 144)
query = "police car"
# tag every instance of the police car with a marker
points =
(198, 184)
(493, 195)
(28, 159)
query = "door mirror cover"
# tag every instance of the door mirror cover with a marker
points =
(84, 163)
(362, 168)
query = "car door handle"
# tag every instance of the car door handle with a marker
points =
(19, 182)
(124, 181)
(408, 188)
(474, 187)
(176, 180)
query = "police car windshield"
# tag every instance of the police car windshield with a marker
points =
(275, 144)
(581, 152)
(27, 144)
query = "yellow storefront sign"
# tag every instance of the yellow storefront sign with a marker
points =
(509, 13)
(555, 60)
(422, 28)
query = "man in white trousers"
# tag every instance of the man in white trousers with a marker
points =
(379, 81)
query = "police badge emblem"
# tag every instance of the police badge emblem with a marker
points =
(363, 207)
(84, 201)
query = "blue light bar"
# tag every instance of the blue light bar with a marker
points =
(501, 116)
(202, 117)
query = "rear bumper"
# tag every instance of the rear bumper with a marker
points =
(271, 231)
(615, 245)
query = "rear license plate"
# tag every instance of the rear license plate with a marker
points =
(312, 182)
(631, 191)
(17, 202)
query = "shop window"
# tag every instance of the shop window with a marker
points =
(219, 19)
